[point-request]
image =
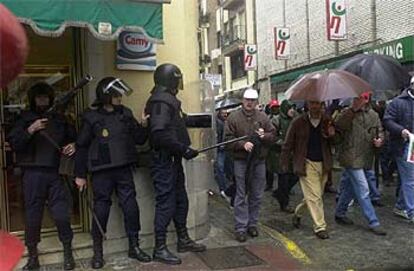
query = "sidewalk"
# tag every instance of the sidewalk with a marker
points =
(224, 253)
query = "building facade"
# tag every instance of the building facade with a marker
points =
(65, 59)
(385, 27)
(231, 26)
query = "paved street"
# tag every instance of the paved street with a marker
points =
(282, 247)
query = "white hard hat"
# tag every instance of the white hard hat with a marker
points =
(250, 93)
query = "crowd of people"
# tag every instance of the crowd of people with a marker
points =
(369, 140)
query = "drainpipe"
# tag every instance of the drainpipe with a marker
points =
(307, 32)
(373, 7)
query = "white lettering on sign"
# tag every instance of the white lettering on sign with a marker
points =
(394, 50)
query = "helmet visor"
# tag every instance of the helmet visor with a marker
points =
(118, 86)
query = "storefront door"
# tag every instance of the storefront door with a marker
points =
(56, 66)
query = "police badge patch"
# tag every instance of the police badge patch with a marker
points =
(105, 132)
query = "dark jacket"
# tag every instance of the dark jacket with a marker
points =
(398, 116)
(168, 131)
(36, 150)
(107, 140)
(242, 123)
(296, 142)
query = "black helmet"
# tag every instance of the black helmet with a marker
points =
(168, 76)
(38, 89)
(110, 87)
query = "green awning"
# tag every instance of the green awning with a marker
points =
(104, 18)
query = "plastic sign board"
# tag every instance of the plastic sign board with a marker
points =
(282, 42)
(336, 24)
(250, 57)
(135, 52)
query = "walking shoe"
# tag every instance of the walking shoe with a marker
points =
(322, 234)
(252, 231)
(225, 197)
(378, 230)
(377, 203)
(296, 221)
(401, 213)
(240, 236)
(343, 220)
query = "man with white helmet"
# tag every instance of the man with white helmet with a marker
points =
(249, 161)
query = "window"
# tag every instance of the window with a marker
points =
(237, 65)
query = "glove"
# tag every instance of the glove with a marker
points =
(190, 154)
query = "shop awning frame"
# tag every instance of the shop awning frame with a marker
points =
(51, 17)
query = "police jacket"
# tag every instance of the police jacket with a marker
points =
(107, 140)
(168, 129)
(36, 150)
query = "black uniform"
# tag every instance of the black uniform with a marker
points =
(170, 140)
(106, 148)
(39, 160)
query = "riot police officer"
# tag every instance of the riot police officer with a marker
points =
(38, 140)
(106, 148)
(170, 142)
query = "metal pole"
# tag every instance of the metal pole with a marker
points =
(223, 143)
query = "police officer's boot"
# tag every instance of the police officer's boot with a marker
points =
(185, 244)
(135, 252)
(33, 260)
(68, 261)
(97, 259)
(162, 254)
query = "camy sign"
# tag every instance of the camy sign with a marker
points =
(282, 42)
(336, 19)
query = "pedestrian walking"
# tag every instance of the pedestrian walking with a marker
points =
(286, 180)
(272, 156)
(309, 144)
(249, 162)
(399, 121)
(361, 132)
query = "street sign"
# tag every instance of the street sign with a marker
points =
(336, 24)
(282, 42)
(250, 57)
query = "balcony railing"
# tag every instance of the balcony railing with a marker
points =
(236, 34)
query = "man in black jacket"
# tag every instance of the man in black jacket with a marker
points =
(39, 139)
(171, 142)
(106, 148)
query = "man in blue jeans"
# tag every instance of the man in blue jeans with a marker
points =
(399, 121)
(356, 154)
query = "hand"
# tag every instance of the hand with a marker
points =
(330, 131)
(260, 132)
(190, 154)
(378, 142)
(69, 149)
(80, 183)
(37, 125)
(248, 146)
(144, 119)
(405, 134)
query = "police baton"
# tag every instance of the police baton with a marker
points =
(223, 143)
(88, 202)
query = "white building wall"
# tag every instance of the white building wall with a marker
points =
(394, 19)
